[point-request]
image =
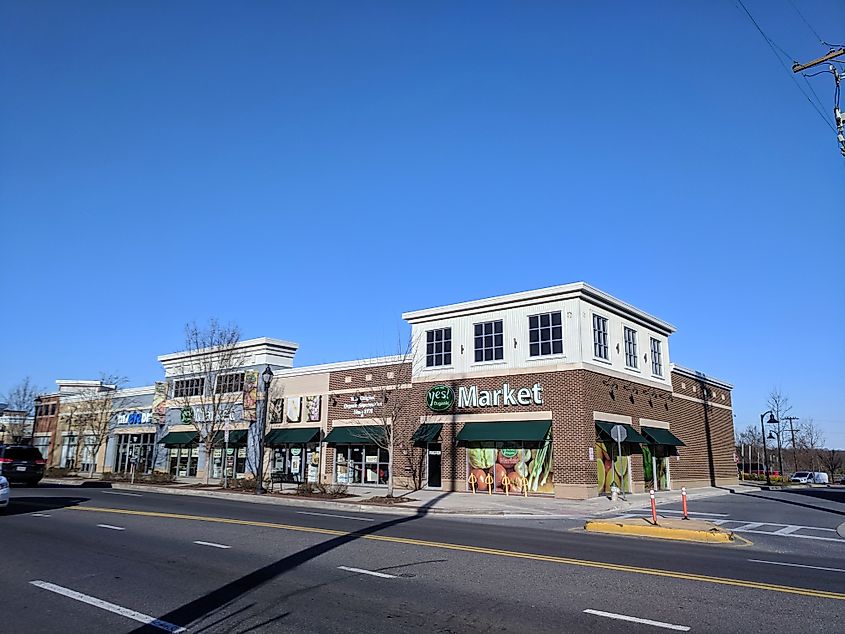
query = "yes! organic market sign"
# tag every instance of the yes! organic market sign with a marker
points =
(441, 398)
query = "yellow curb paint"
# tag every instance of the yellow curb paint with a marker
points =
(660, 532)
(655, 572)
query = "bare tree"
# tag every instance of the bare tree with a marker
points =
(99, 416)
(385, 409)
(810, 442)
(212, 355)
(72, 415)
(831, 460)
(20, 402)
(779, 405)
(752, 437)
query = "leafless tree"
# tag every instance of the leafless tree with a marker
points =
(212, 354)
(752, 437)
(810, 441)
(387, 408)
(20, 402)
(779, 405)
(100, 409)
(831, 460)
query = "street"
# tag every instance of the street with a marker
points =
(97, 559)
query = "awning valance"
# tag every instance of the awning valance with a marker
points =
(633, 436)
(426, 433)
(355, 435)
(176, 438)
(659, 436)
(527, 430)
(292, 436)
(237, 438)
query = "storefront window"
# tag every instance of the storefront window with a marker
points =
(296, 462)
(139, 448)
(361, 464)
(184, 461)
(524, 464)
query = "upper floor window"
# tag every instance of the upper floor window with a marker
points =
(545, 334)
(230, 383)
(630, 347)
(489, 345)
(438, 347)
(656, 358)
(600, 337)
(188, 387)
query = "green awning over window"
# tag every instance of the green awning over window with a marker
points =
(530, 430)
(294, 436)
(660, 436)
(426, 433)
(237, 437)
(176, 438)
(632, 437)
(354, 435)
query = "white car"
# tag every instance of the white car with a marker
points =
(4, 493)
(802, 476)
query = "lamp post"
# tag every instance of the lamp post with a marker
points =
(266, 376)
(772, 420)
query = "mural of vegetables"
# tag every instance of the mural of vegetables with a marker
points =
(611, 468)
(532, 461)
(312, 406)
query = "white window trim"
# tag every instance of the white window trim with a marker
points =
(607, 335)
(633, 368)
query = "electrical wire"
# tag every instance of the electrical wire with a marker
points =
(810, 26)
(813, 90)
(775, 48)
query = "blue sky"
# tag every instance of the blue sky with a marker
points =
(312, 170)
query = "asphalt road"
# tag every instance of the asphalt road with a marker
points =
(214, 565)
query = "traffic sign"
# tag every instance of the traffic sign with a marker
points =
(618, 433)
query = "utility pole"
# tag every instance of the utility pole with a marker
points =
(838, 117)
(794, 446)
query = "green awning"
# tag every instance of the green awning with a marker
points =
(530, 430)
(632, 437)
(295, 436)
(176, 438)
(354, 435)
(660, 436)
(237, 437)
(426, 433)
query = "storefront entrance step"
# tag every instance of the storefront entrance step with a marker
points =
(666, 528)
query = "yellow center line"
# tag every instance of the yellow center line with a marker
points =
(586, 563)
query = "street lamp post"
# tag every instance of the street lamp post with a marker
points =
(266, 376)
(772, 420)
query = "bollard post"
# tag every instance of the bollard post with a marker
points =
(472, 481)
(506, 485)
(490, 482)
(524, 482)
(684, 502)
(653, 507)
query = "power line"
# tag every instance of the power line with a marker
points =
(810, 26)
(775, 48)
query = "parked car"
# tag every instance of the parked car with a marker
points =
(819, 477)
(4, 493)
(802, 476)
(21, 463)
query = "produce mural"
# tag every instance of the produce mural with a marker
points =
(294, 410)
(650, 459)
(250, 401)
(515, 460)
(612, 468)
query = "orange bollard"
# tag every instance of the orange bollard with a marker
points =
(653, 507)
(684, 502)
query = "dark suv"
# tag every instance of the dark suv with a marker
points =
(21, 463)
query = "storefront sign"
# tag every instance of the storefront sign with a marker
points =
(134, 418)
(440, 398)
(363, 405)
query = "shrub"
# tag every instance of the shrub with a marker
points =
(56, 472)
(338, 490)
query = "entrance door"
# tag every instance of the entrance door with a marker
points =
(434, 464)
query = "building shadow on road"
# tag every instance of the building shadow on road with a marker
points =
(39, 504)
(803, 498)
(87, 484)
(225, 595)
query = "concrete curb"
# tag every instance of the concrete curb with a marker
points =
(703, 535)
(302, 503)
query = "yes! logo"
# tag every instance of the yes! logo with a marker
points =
(440, 398)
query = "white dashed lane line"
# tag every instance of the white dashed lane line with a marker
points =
(634, 619)
(212, 544)
(372, 573)
(109, 607)
(109, 526)
(783, 563)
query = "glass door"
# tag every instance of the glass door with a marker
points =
(434, 465)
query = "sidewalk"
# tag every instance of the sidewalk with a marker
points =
(425, 501)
